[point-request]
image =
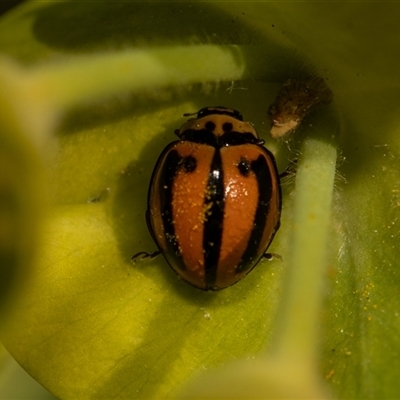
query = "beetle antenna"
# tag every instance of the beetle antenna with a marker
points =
(189, 114)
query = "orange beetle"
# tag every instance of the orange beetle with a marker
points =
(214, 200)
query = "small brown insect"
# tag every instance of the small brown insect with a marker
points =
(294, 101)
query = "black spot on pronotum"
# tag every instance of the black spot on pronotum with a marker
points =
(227, 127)
(210, 126)
(228, 138)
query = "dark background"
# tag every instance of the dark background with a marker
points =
(6, 5)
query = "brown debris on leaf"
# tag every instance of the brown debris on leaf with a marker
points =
(295, 99)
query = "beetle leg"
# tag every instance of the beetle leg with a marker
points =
(290, 169)
(144, 254)
(271, 256)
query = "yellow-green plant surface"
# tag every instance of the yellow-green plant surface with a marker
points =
(90, 94)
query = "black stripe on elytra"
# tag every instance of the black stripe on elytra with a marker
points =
(262, 172)
(230, 138)
(214, 205)
(172, 164)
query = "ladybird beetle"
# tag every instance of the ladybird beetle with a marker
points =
(214, 201)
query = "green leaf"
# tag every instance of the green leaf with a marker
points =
(88, 322)
(21, 181)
